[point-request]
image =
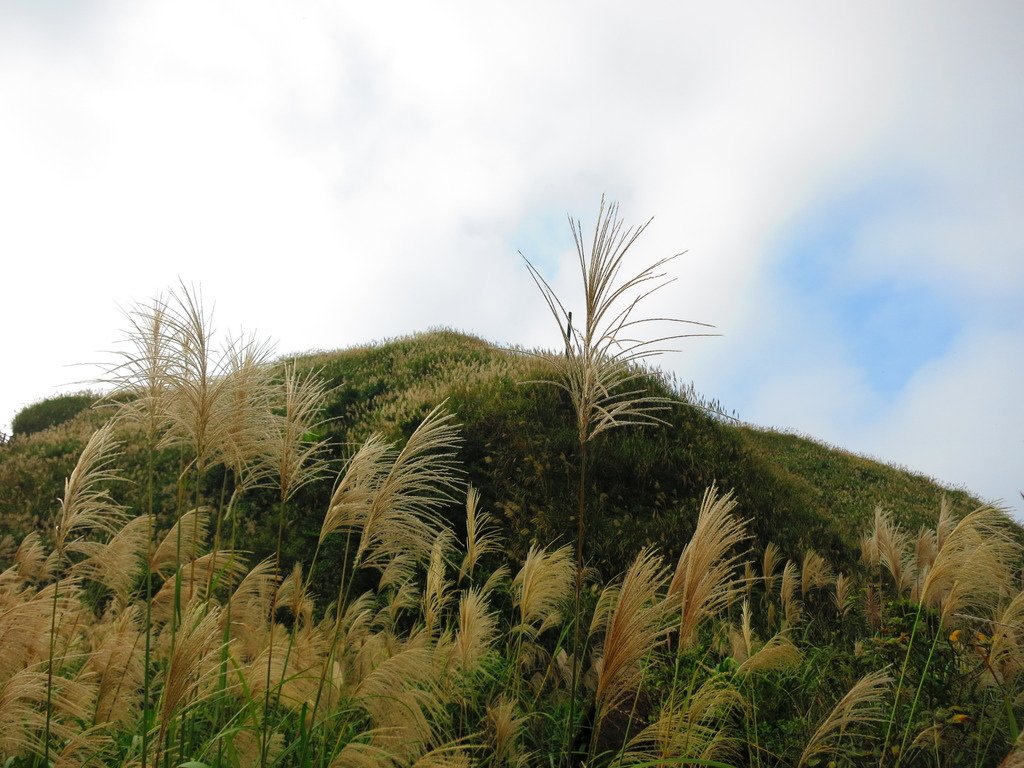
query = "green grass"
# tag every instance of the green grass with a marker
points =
(50, 412)
(518, 446)
(519, 449)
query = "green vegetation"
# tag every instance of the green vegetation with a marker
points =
(518, 449)
(408, 554)
(453, 643)
(51, 412)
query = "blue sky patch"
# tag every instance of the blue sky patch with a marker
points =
(889, 327)
(542, 236)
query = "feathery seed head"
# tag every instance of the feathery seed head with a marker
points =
(87, 506)
(600, 368)
(815, 572)
(482, 534)
(542, 587)
(860, 706)
(636, 625)
(704, 579)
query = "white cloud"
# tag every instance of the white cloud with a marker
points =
(960, 418)
(334, 173)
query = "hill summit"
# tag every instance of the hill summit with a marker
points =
(518, 450)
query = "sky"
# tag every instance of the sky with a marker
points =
(845, 183)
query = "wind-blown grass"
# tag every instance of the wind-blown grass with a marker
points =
(142, 633)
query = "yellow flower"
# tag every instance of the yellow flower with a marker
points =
(954, 636)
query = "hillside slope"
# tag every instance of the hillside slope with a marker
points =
(519, 450)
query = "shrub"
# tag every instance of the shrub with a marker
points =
(51, 412)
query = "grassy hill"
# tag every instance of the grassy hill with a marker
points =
(519, 451)
(179, 644)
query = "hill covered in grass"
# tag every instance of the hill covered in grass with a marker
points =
(278, 587)
(519, 449)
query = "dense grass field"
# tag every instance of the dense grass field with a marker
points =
(518, 448)
(434, 552)
(310, 563)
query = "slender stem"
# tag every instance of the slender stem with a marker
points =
(217, 529)
(917, 694)
(577, 650)
(177, 576)
(899, 684)
(592, 748)
(222, 675)
(1011, 720)
(343, 588)
(306, 581)
(282, 503)
(49, 670)
(147, 678)
(991, 736)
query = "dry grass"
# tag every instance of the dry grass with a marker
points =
(87, 506)
(704, 580)
(182, 543)
(636, 626)
(755, 657)
(292, 457)
(792, 608)
(1006, 650)
(889, 547)
(191, 665)
(972, 567)
(125, 645)
(690, 729)
(842, 596)
(401, 680)
(602, 350)
(117, 564)
(504, 725)
(117, 661)
(483, 536)
(476, 630)
(770, 560)
(815, 572)
(542, 588)
(861, 706)
(437, 589)
(391, 496)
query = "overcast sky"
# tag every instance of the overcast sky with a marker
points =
(847, 181)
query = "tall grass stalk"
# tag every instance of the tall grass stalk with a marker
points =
(295, 461)
(600, 368)
(427, 666)
(85, 508)
(140, 379)
(917, 695)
